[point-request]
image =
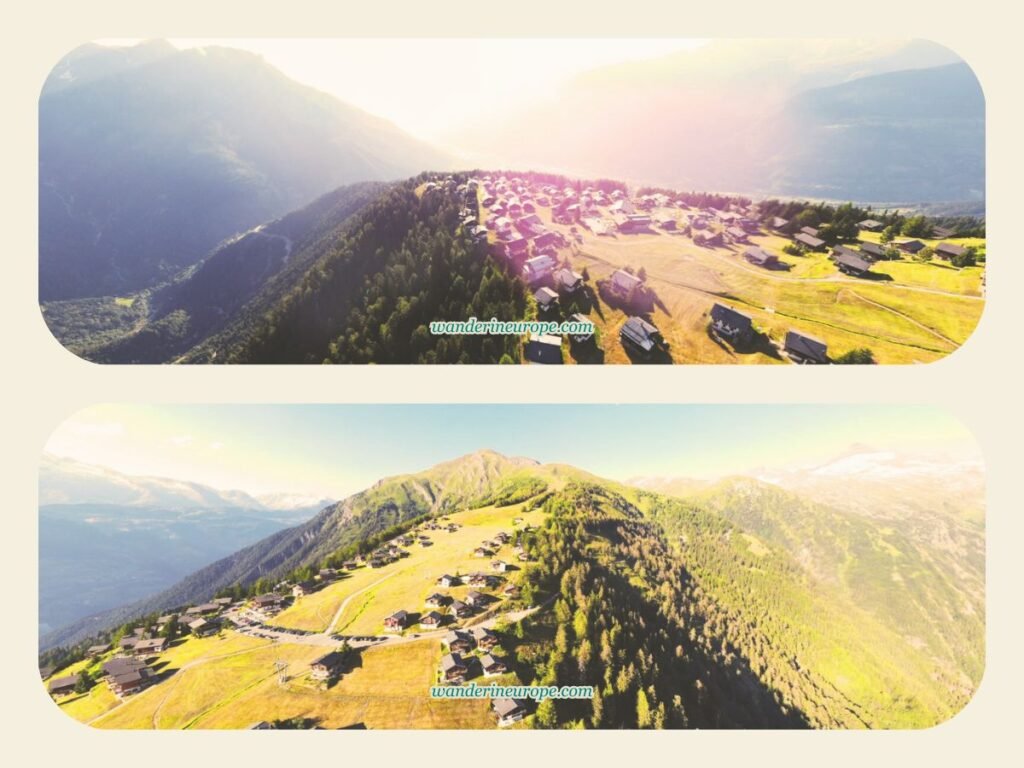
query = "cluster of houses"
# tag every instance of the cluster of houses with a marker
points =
(443, 608)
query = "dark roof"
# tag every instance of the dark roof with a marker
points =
(544, 348)
(872, 249)
(812, 231)
(809, 240)
(806, 346)
(758, 255)
(506, 707)
(852, 260)
(731, 318)
(121, 665)
(640, 332)
(950, 249)
(452, 661)
(331, 659)
(65, 682)
(912, 246)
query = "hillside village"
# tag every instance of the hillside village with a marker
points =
(465, 616)
(654, 273)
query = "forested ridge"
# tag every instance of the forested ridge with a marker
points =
(405, 263)
(680, 618)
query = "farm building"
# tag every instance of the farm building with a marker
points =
(64, 685)
(731, 324)
(872, 251)
(911, 246)
(760, 257)
(736, 234)
(949, 250)
(809, 241)
(805, 349)
(851, 263)
(633, 222)
(640, 334)
(709, 241)
(543, 349)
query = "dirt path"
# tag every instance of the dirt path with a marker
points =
(345, 602)
(168, 690)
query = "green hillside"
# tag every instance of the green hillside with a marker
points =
(742, 605)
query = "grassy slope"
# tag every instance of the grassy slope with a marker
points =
(406, 583)
(900, 325)
(843, 652)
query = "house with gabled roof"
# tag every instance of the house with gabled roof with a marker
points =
(911, 246)
(61, 686)
(431, 620)
(760, 257)
(851, 263)
(493, 665)
(731, 324)
(804, 349)
(397, 621)
(809, 241)
(622, 282)
(458, 640)
(509, 711)
(538, 267)
(546, 299)
(453, 668)
(641, 335)
(872, 251)
(948, 251)
(568, 281)
(327, 666)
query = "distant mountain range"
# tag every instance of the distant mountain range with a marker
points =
(849, 615)
(867, 121)
(150, 156)
(105, 537)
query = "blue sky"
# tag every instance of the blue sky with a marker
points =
(334, 450)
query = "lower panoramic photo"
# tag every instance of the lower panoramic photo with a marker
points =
(511, 566)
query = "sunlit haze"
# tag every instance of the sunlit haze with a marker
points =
(332, 450)
(426, 86)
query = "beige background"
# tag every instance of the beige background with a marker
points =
(44, 383)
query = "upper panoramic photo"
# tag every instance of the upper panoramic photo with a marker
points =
(508, 201)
